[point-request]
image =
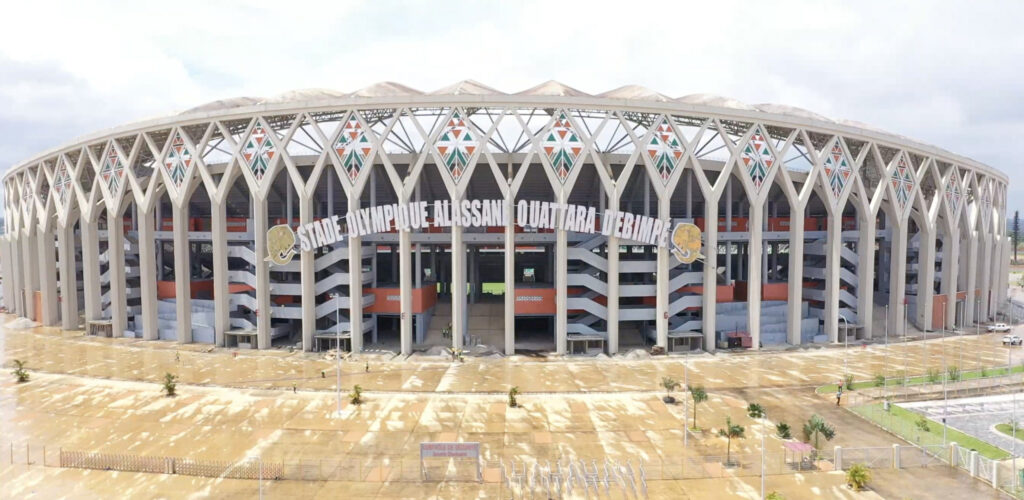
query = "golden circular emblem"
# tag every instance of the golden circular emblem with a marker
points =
(280, 244)
(686, 240)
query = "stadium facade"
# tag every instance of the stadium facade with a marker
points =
(539, 221)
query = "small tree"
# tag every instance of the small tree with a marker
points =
(775, 495)
(933, 375)
(755, 410)
(879, 380)
(699, 395)
(356, 396)
(848, 382)
(816, 427)
(512, 393)
(19, 371)
(170, 384)
(857, 477)
(783, 431)
(953, 373)
(730, 431)
(670, 384)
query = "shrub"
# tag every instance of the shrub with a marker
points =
(170, 384)
(933, 375)
(783, 431)
(879, 380)
(19, 371)
(848, 382)
(356, 396)
(774, 496)
(755, 410)
(857, 477)
(512, 393)
(984, 372)
(922, 424)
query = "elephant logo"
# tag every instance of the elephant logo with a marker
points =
(686, 240)
(280, 244)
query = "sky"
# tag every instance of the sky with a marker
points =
(945, 73)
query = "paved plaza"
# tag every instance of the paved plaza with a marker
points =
(101, 395)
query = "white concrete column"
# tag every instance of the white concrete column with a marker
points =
(68, 276)
(613, 285)
(796, 275)
(898, 277)
(971, 283)
(510, 276)
(662, 297)
(926, 279)
(48, 277)
(307, 273)
(263, 306)
(30, 273)
(561, 281)
(115, 261)
(221, 293)
(866, 274)
(458, 275)
(833, 244)
(183, 274)
(950, 271)
(7, 269)
(147, 275)
(405, 289)
(91, 268)
(710, 272)
(754, 275)
(355, 271)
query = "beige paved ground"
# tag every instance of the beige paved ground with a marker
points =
(100, 395)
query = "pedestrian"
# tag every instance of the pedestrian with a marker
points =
(839, 395)
(177, 357)
(367, 367)
(295, 389)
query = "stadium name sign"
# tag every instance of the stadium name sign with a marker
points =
(482, 213)
(685, 238)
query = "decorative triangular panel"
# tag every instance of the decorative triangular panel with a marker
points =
(28, 201)
(456, 144)
(758, 159)
(178, 162)
(62, 186)
(353, 147)
(665, 149)
(112, 173)
(954, 191)
(837, 169)
(985, 205)
(562, 146)
(258, 151)
(902, 182)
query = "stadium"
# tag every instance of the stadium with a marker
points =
(544, 221)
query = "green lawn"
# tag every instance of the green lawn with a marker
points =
(1005, 429)
(903, 423)
(923, 379)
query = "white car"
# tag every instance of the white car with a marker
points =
(1012, 340)
(999, 327)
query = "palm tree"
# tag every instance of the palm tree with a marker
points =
(699, 396)
(670, 384)
(817, 427)
(755, 410)
(730, 431)
(512, 393)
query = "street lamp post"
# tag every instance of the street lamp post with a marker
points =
(764, 431)
(337, 352)
(846, 348)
